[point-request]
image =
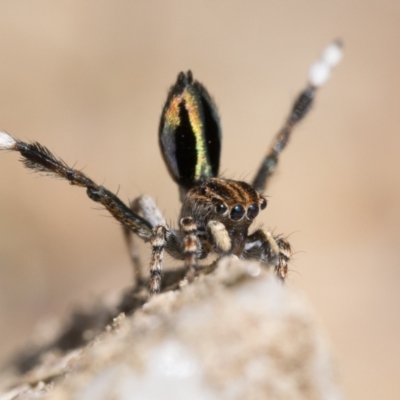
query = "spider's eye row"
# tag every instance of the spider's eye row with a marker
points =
(221, 208)
(263, 203)
(253, 211)
(237, 212)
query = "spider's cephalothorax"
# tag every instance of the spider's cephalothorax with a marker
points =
(216, 213)
(223, 210)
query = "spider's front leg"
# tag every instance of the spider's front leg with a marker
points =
(190, 246)
(188, 249)
(157, 241)
(146, 207)
(273, 250)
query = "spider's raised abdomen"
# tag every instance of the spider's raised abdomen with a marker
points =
(190, 133)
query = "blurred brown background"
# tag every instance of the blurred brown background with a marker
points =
(88, 79)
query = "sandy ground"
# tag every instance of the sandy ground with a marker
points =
(89, 80)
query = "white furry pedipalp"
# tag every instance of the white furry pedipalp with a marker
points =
(221, 236)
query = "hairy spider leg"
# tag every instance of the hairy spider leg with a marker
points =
(190, 246)
(146, 207)
(273, 250)
(40, 159)
(318, 75)
(157, 242)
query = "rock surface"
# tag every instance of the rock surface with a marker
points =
(237, 333)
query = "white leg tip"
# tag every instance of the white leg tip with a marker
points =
(333, 54)
(320, 71)
(7, 142)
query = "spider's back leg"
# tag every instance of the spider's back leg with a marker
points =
(40, 159)
(318, 74)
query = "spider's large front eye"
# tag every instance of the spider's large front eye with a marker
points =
(221, 208)
(252, 211)
(237, 212)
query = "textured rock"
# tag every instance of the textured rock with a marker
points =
(236, 333)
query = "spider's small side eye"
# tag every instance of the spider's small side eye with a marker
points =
(221, 208)
(237, 212)
(263, 204)
(252, 211)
